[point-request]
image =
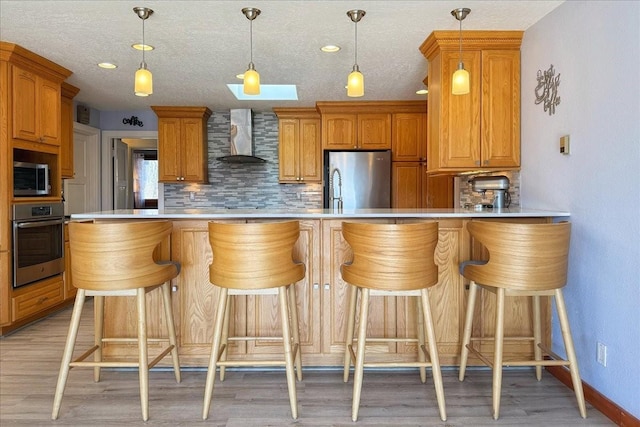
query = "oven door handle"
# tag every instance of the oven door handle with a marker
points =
(40, 223)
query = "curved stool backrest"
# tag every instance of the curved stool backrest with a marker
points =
(254, 255)
(118, 256)
(391, 257)
(521, 256)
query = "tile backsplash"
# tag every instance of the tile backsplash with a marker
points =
(243, 185)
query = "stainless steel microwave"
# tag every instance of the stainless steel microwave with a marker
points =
(31, 179)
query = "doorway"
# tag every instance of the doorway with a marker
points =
(117, 169)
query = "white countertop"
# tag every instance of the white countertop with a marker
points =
(180, 213)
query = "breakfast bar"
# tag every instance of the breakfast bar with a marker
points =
(322, 294)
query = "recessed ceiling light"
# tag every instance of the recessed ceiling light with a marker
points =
(422, 92)
(330, 48)
(140, 46)
(107, 65)
(240, 76)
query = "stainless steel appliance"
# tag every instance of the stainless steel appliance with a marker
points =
(357, 179)
(31, 179)
(38, 242)
(499, 185)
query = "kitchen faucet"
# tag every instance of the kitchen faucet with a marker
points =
(332, 190)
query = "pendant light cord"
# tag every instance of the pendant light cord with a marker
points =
(144, 46)
(460, 39)
(251, 41)
(356, 56)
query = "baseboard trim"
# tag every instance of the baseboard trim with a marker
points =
(612, 411)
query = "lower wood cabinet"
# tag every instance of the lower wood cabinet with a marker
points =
(322, 301)
(31, 299)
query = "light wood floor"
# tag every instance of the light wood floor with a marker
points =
(30, 358)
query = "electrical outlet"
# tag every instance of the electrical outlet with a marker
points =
(564, 144)
(192, 196)
(601, 354)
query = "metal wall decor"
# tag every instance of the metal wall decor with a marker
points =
(547, 89)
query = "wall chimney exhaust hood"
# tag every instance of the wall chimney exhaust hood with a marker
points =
(241, 138)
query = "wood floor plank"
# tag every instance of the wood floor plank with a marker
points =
(30, 360)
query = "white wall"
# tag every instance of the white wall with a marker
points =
(595, 47)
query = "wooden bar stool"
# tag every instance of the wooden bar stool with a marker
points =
(391, 260)
(255, 259)
(117, 259)
(524, 260)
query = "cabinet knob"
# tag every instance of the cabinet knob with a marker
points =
(174, 288)
(316, 286)
(326, 287)
(486, 162)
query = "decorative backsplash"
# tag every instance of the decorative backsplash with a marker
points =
(470, 198)
(243, 185)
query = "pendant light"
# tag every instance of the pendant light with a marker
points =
(144, 80)
(251, 84)
(355, 81)
(460, 80)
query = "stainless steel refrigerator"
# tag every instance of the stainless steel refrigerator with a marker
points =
(357, 179)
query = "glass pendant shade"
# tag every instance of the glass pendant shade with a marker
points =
(251, 84)
(355, 84)
(460, 81)
(143, 82)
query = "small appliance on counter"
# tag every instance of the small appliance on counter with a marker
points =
(499, 185)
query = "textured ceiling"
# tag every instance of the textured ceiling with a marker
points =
(200, 46)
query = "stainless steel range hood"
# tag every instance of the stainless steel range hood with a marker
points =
(241, 138)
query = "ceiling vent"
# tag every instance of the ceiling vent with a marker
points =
(241, 138)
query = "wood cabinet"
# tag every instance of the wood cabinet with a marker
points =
(322, 300)
(366, 131)
(66, 133)
(409, 137)
(479, 130)
(29, 300)
(182, 144)
(411, 187)
(36, 107)
(300, 146)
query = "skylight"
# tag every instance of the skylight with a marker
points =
(267, 93)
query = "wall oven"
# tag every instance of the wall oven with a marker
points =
(38, 242)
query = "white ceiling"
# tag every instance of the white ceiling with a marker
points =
(200, 46)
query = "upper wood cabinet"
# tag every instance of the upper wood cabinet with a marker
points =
(66, 140)
(362, 125)
(182, 144)
(409, 137)
(299, 148)
(356, 131)
(479, 130)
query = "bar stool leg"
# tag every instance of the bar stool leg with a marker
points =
(537, 335)
(293, 309)
(143, 360)
(224, 343)
(571, 354)
(351, 320)
(288, 354)
(362, 337)
(497, 357)
(68, 352)
(421, 334)
(98, 333)
(223, 303)
(433, 353)
(171, 328)
(466, 335)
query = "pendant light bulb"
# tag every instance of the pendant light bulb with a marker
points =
(251, 79)
(355, 80)
(460, 79)
(143, 82)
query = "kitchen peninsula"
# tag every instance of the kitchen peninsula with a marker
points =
(321, 295)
